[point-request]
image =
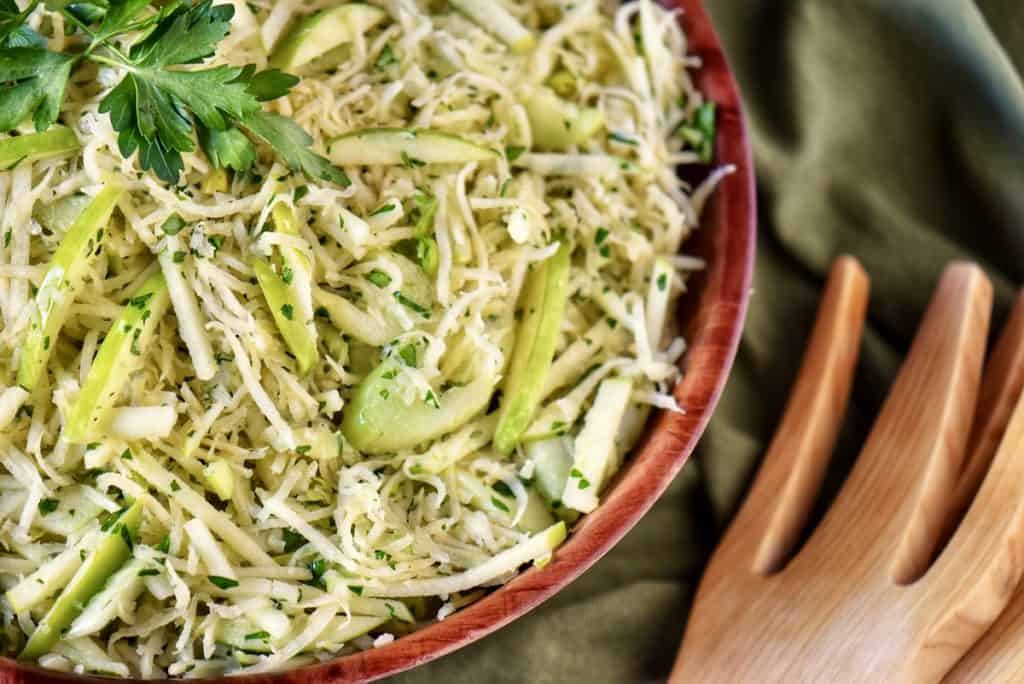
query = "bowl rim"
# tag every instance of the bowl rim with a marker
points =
(715, 331)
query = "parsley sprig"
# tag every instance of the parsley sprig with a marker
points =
(167, 100)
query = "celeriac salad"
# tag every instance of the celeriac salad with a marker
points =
(320, 319)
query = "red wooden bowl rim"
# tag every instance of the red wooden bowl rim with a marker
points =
(714, 329)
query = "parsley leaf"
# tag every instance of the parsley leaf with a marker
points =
(23, 36)
(158, 109)
(117, 16)
(266, 85)
(222, 582)
(13, 32)
(187, 35)
(37, 79)
(292, 144)
(227, 149)
(293, 541)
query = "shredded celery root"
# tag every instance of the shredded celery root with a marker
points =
(277, 530)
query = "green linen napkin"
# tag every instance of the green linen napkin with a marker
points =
(888, 129)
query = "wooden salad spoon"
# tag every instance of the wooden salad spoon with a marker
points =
(866, 599)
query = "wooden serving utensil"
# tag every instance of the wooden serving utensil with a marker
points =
(865, 599)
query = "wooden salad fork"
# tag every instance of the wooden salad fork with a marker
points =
(869, 597)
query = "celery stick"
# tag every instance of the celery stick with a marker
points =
(63, 279)
(55, 141)
(120, 353)
(113, 551)
(543, 306)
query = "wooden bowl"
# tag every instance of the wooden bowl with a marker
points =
(713, 312)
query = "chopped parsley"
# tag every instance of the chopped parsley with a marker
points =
(390, 206)
(293, 541)
(410, 304)
(408, 355)
(379, 278)
(173, 225)
(222, 582)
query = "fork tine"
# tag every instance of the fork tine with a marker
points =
(791, 473)
(798, 456)
(978, 573)
(891, 501)
(1001, 387)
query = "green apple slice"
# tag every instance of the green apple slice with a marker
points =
(408, 146)
(290, 320)
(54, 142)
(63, 279)
(59, 215)
(289, 292)
(543, 306)
(319, 33)
(113, 551)
(551, 465)
(558, 124)
(122, 349)
(595, 449)
(377, 419)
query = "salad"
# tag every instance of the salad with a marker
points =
(320, 319)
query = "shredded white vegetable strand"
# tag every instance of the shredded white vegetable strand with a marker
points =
(290, 314)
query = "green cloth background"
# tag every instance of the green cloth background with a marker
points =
(889, 129)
